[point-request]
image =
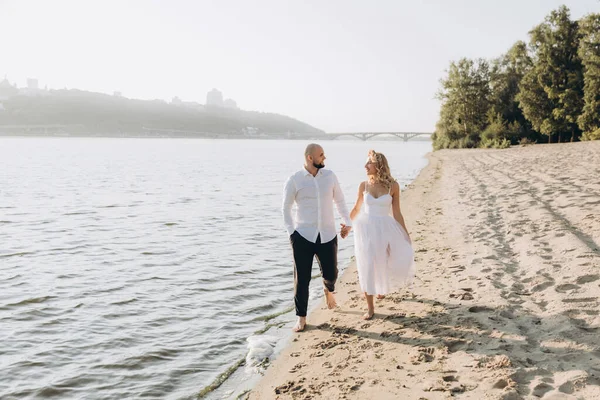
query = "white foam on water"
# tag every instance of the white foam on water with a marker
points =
(260, 347)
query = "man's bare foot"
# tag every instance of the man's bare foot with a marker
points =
(380, 296)
(330, 298)
(300, 325)
(369, 315)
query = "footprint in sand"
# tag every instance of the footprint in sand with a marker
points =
(424, 355)
(328, 344)
(297, 367)
(455, 345)
(581, 300)
(449, 378)
(395, 316)
(461, 296)
(343, 330)
(587, 279)
(291, 386)
(541, 389)
(502, 383)
(366, 346)
(478, 309)
(456, 268)
(566, 287)
(574, 313)
(542, 286)
(386, 334)
(352, 387)
(508, 313)
(494, 362)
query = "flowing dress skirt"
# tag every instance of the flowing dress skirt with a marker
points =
(384, 255)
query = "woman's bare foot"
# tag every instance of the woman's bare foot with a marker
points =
(370, 307)
(330, 298)
(380, 296)
(300, 325)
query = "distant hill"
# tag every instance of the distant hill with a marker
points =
(97, 114)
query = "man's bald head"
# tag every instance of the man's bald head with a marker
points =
(314, 156)
(312, 149)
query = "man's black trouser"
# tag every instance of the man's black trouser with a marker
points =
(304, 253)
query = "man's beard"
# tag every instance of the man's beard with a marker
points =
(318, 166)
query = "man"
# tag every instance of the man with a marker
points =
(312, 231)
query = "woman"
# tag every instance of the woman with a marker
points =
(384, 254)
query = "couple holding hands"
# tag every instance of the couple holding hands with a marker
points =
(382, 246)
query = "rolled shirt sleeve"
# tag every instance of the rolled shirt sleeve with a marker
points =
(340, 202)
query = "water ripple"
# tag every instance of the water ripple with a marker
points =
(31, 300)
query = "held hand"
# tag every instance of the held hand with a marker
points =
(345, 230)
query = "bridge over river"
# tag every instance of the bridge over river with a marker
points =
(406, 136)
(80, 130)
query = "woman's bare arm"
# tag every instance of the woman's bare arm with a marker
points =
(396, 207)
(359, 201)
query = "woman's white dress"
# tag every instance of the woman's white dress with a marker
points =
(384, 255)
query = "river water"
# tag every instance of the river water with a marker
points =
(135, 268)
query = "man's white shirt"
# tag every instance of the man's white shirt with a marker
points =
(314, 198)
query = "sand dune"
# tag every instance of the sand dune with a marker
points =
(506, 304)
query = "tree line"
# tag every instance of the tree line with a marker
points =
(544, 91)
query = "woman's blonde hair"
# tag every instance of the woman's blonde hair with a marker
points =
(383, 175)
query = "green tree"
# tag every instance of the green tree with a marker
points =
(505, 117)
(465, 102)
(589, 52)
(551, 92)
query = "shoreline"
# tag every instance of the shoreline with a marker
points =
(504, 305)
(209, 137)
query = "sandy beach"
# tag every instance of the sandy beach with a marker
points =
(506, 300)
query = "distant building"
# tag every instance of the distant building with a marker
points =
(32, 84)
(193, 105)
(214, 98)
(33, 88)
(250, 131)
(7, 90)
(117, 94)
(176, 101)
(229, 103)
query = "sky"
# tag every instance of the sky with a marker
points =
(339, 65)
